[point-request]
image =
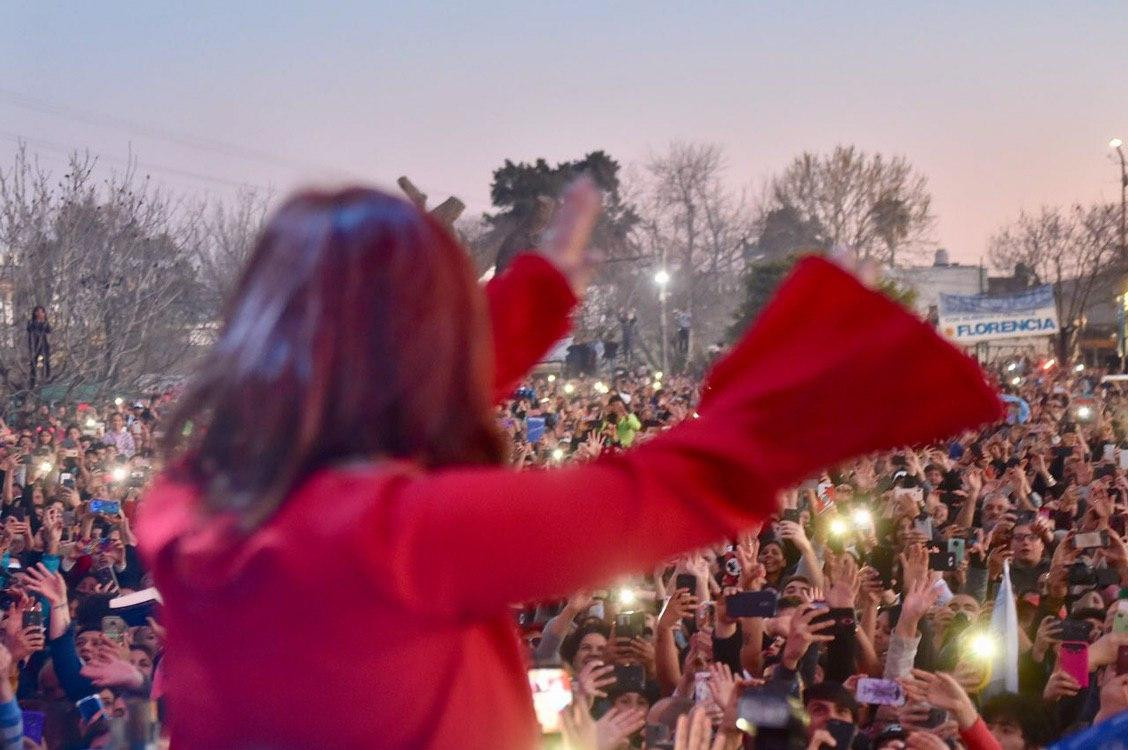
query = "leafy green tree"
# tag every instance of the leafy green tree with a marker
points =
(760, 283)
(521, 191)
(763, 278)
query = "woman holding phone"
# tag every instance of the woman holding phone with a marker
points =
(345, 418)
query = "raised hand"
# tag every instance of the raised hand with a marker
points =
(842, 571)
(1049, 633)
(1060, 685)
(679, 606)
(794, 532)
(802, 634)
(27, 641)
(107, 669)
(694, 732)
(722, 684)
(942, 691)
(615, 726)
(578, 727)
(919, 598)
(51, 586)
(566, 239)
(914, 565)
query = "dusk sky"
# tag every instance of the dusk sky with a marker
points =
(1002, 105)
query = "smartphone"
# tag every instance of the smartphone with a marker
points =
(790, 514)
(1075, 630)
(881, 692)
(686, 581)
(1124, 459)
(1108, 452)
(842, 731)
(114, 627)
(702, 695)
(958, 547)
(33, 618)
(752, 604)
(843, 619)
(881, 560)
(706, 615)
(1074, 661)
(34, 723)
(1090, 540)
(67, 480)
(629, 678)
(552, 693)
(922, 524)
(629, 624)
(107, 507)
(942, 561)
(104, 574)
(1122, 660)
(763, 708)
(90, 708)
(1024, 517)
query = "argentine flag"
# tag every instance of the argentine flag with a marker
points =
(1004, 631)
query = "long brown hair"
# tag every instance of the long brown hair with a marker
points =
(356, 330)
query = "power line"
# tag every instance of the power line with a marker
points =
(182, 138)
(189, 140)
(129, 161)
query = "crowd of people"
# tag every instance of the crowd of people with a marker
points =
(860, 615)
(864, 612)
(81, 638)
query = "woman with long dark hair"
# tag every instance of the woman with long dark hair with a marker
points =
(338, 540)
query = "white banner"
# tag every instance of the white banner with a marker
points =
(968, 319)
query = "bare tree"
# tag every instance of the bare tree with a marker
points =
(225, 235)
(113, 264)
(1074, 249)
(699, 228)
(877, 207)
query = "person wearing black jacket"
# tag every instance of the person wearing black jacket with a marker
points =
(38, 347)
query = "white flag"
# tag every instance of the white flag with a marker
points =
(1004, 631)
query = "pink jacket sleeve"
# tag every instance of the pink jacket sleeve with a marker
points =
(529, 306)
(831, 370)
(979, 737)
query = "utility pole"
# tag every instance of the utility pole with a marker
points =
(1121, 300)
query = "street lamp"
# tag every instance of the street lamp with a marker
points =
(662, 279)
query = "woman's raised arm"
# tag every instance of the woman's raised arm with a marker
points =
(832, 370)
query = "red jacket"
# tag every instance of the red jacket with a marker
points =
(371, 611)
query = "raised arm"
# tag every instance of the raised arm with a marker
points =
(530, 302)
(808, 387)
(529, 306)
